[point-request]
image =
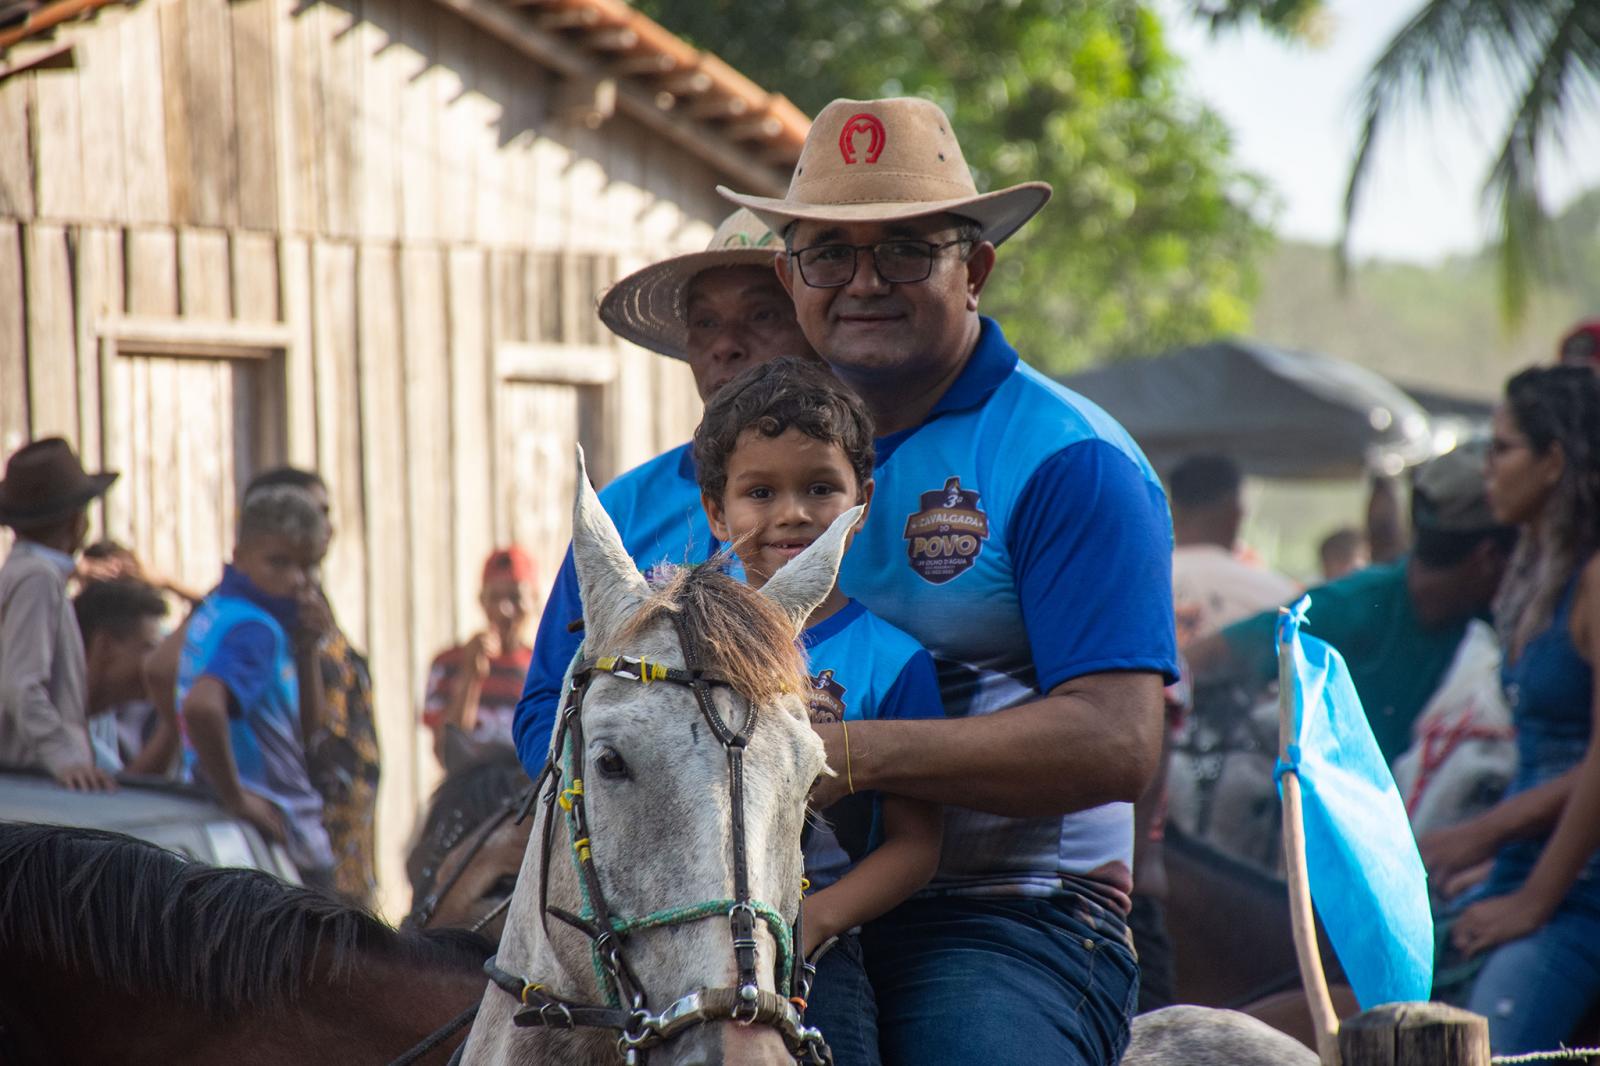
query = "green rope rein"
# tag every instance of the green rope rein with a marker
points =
(693, 912)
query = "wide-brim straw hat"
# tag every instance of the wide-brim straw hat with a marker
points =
(46, 483)
(883, 160)
(650, 306)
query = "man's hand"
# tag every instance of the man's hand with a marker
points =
(482, 649)
(314, 619)
(85, 777)
(262, 814)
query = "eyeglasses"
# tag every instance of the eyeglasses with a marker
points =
(899, 261)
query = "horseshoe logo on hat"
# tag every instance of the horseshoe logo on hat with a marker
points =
(862, 123)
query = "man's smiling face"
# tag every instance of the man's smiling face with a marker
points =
(871, 327)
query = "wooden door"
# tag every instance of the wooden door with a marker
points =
(188, 434)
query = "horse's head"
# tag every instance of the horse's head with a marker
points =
(645, 834)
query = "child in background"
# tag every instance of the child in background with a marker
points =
(782, 451)
(250, 647)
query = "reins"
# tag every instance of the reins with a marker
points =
(626, 1010)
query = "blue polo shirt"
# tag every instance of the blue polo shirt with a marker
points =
(239, 635)
(656, 509)
(1020, 536)
(861, 668)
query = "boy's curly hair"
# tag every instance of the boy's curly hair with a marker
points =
(772, 398)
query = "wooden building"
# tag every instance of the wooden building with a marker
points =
(365, 236)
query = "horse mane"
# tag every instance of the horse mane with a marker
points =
(462, 802)
(740, 635)
(130, 915)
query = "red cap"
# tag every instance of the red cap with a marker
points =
(510, 562)
(1581, 347)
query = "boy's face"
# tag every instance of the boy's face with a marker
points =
(278, 565)
(782, 493)
(505, 603)
(116, 661)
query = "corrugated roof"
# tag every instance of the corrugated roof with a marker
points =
(659, 78)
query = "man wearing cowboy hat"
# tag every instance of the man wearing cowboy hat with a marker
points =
(1021, 536)
(721, 311)
(43, 688)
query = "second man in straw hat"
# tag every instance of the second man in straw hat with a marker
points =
(722, 311)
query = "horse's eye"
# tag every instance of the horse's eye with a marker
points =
(611, 764)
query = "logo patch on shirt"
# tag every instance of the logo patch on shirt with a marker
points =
(826, 699)
(948, 533)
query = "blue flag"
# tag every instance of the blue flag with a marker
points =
(1367, 880)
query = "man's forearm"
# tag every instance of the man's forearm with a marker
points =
(1069, 751)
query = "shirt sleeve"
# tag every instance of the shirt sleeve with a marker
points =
(553, 650)
(30, 624)
(244, 662)
(1091, 545)
(915, 693)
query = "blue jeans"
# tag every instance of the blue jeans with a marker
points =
(1536, 990)
(1004, 982)
(843, 1007)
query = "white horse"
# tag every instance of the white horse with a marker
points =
(642, 830)
(645, 822)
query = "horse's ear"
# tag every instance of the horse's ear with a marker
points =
(611, 586)
(805, 581)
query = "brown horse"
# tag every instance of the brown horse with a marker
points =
(464, 864)
(114, 950)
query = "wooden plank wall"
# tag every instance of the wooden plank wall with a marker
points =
(382, 183)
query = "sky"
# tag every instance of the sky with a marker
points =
(1294, 110)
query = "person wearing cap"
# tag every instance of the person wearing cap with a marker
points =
(473, 688)
(1397, 624)
(1021, 536)
(721, 311)
(1581, 346)
(45, 498)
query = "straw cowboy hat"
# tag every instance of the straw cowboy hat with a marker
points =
(650, 307)
(45, 483)
(881, 160)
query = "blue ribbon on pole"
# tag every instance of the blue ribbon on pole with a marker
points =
(1367, 880)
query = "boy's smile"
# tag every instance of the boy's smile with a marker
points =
(782, 494)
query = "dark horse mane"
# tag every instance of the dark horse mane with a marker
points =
(142, 919)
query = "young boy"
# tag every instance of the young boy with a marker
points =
(471, 700)
(783, 450)
(250, 646)
(45, 498)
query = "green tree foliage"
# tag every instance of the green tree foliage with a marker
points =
(1153, 236)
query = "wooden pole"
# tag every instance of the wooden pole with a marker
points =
(1294, 857)
(1415, 1034)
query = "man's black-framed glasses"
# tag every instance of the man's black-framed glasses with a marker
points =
(899, 261)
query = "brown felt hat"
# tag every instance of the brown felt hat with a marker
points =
(650, 306)
(882, 160)
(45, 483)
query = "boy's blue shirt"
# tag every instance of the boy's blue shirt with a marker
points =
(240, 636)
(862, 668)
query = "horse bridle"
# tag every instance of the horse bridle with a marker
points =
(627, 1010)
